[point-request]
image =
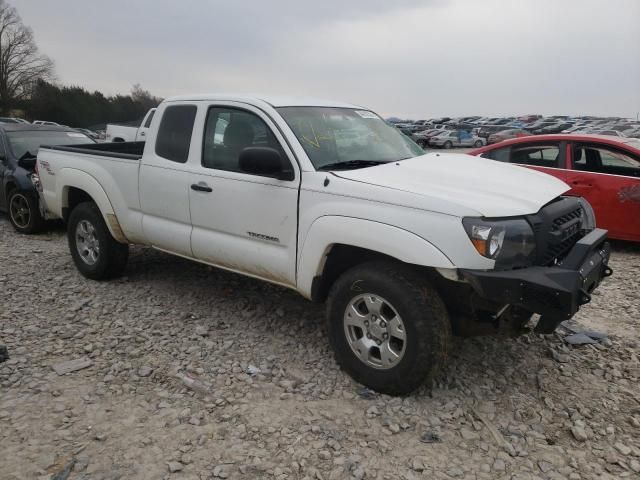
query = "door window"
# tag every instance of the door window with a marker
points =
(546, 155)
(149, 118)
(174, 133)
(228, 131)
(592, 158)
(499, 154)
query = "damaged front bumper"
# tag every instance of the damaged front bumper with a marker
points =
(555, 292)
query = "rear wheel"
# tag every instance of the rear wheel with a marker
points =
(24, 212)
(477, 144)
(96, 254)
(447, 144)
(388, 327)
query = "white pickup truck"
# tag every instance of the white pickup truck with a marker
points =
(329, 200)
(126, 133)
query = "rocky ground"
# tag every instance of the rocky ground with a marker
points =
(272, 402)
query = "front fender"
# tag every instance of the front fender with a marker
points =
(395, 242)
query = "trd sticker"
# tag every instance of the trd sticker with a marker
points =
(45, 165)
(264, 237)
(629, 194)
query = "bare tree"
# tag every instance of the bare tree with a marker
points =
(144, 97)
(21, 64)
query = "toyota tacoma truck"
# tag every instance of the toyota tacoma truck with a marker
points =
(406, 248)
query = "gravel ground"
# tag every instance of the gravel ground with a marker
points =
(272, 403)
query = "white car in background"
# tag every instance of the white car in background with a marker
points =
(457, 138)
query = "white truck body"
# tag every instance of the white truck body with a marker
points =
(290, 229)
(410, 210)
(126, 133)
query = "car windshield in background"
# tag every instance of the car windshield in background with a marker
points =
(332, 136)
(30, 141)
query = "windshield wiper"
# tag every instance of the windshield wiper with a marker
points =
(350, 164)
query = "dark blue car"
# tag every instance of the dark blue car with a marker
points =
(19, 144)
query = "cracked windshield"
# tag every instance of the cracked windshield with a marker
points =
(332, 136)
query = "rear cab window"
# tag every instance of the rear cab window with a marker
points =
(174, 133)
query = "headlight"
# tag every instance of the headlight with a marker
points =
(588, 216)
(510, 243)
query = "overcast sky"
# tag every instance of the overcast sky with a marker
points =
(400, 57)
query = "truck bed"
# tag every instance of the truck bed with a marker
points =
(126, 150)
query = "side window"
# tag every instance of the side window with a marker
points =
(174, 133)
(536, 155)
(499, 154)
(149, 118)
(228, 131)
(591, 158)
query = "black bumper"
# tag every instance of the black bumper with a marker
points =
(555, 292)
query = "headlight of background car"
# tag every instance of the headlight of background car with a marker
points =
(588, 216)
(509, 242)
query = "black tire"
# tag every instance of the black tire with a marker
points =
(478, 144)
(447, 144)
(424, 316)
(24, 212)
(112, 258)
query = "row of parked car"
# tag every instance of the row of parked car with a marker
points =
(16, 120)
(478, 131)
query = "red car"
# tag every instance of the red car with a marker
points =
(507, 135)
(605, 170)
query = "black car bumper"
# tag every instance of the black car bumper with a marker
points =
(555, 292)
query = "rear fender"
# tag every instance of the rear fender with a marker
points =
(74, 178)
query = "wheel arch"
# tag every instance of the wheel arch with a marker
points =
(334, 244)
(79, 187)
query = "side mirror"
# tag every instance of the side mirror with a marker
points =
(28, 163)
(265, 161)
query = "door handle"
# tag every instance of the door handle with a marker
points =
(142, 134)
(578, 183)
(201, 187)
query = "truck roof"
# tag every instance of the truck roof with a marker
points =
(273, 100)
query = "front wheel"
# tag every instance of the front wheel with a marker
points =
(24, 212)
(95, 252)
(388, 327)
(447, 144)
(478, 144)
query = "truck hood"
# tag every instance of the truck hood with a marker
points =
(485, 187)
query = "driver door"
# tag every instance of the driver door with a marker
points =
(241, 221)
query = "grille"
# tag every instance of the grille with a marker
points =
(557, 227)
(566, 230)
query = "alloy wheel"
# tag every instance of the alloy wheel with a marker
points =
(375, 332)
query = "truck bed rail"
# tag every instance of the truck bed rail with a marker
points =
(126, 150)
